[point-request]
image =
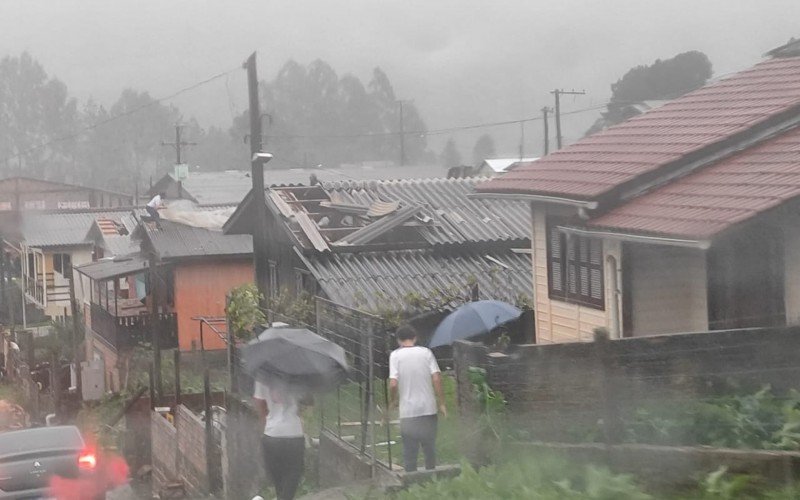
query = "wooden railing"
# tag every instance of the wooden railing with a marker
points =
(126, 332)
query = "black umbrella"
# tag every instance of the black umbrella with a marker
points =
(297, 356)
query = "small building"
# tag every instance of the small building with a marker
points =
(394, 245)
(684, 218)
(48, 245)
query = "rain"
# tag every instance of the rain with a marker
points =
(399, 250)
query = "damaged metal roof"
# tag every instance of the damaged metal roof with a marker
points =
(420, 211)
(377, 280)
(62, 229)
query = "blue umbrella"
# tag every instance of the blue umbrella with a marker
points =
(473, 319)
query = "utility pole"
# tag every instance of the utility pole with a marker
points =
(545, 112)
(402, 136)
(558, 93)
(178, 144)
(521, 140)
(257, 161)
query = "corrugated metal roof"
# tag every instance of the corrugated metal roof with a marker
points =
(716, 197)
(229, 187)
(111, 268)
(455, 217)
(111, 240)
(217, 188)
(600, 162)
(68, 228)
(176, 240)
(379, 280)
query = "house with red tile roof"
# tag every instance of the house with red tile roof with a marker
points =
(685, 218)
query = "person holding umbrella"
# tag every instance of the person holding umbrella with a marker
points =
(283, 443)
(415, 377)
(288, 365)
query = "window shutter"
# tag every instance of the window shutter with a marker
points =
(572, 267)
(596, 271)
(555, 261)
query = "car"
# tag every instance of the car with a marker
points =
(34, 461)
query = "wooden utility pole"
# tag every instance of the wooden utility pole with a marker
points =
(76, 357)
(155, 329)
(259, 212)
(558, 93)
(179, 144)
(545, 112)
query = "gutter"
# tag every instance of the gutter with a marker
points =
(555, 200)
(637, 238)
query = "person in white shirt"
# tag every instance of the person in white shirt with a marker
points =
(283, 442)
(415, 377)
(154, 205)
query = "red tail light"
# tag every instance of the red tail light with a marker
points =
(87, 460)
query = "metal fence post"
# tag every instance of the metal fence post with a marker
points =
(232, 380)
(370, 396)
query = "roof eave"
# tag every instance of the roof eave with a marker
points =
(538, 198)
(630, 237)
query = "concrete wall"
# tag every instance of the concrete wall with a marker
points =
(200, 290)
(562, 391)
(339, 463)
(669, 289)
(557, 320)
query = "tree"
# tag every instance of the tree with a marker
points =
(666, 79)
(125, 142)
(317, 117)
(661, 80)
(36, 114)
(450, 156)
(484, 148)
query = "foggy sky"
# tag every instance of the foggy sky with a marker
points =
(461, 61)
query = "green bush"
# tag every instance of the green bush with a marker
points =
(540, 477)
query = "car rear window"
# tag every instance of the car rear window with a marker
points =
(41, 438)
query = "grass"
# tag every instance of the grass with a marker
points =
(345, 406)
(11, 393)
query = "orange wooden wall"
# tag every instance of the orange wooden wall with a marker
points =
(200, 290)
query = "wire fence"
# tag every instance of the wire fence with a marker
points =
(354, 411)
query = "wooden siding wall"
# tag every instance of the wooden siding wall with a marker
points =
(558, 321)
(668, 289)
(200, 290)
(792, 270)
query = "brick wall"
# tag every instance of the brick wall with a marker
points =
(179, 452)
(562, 391)
(192, 464)
(163, 445)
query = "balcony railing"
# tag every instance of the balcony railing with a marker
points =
(35, 289)
(126, 332)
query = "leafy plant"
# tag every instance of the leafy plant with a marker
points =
(298, 308)
(719, 485)
(243, 310)
(540, 477)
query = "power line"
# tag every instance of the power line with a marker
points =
(440, 131)
(127, 113)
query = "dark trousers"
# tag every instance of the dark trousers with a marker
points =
(283, 458)
(416, 432)
(152, 212)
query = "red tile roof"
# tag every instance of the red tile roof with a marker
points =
(716, 197)
(596, 164)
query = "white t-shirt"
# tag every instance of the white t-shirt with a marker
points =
(283, 419)
(155, 202)
(413, 367)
